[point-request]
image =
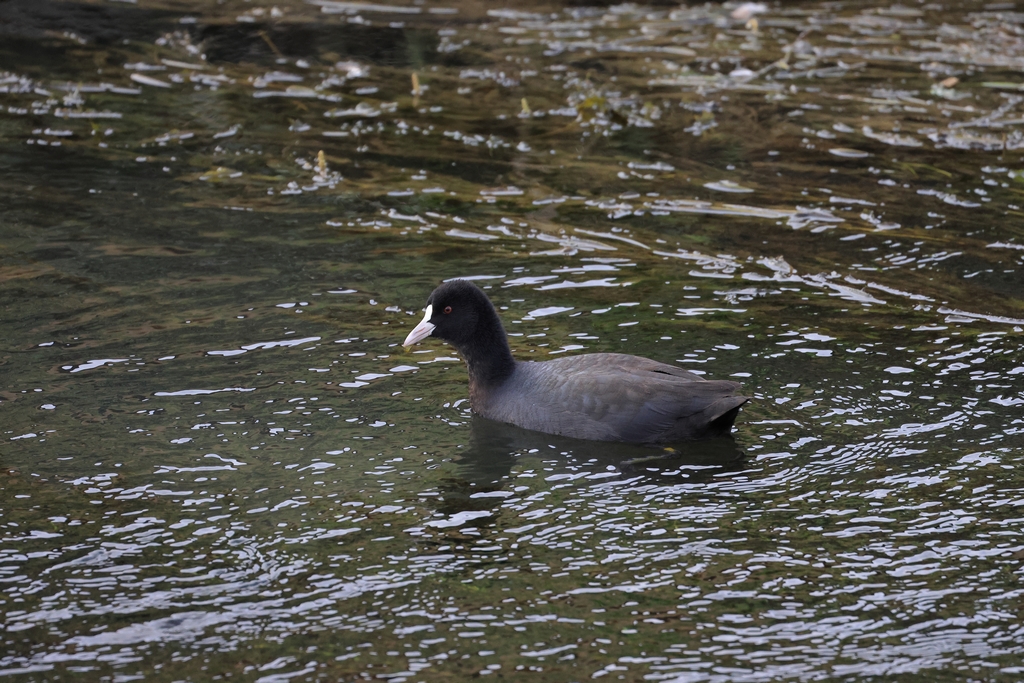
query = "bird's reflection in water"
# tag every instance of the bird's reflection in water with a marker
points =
(483, 467)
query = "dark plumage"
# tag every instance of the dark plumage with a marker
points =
(599, 396)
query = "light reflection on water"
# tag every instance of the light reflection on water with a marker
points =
(216, 454)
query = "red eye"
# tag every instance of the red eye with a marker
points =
(447, 309)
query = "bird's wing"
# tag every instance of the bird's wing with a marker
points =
(610, 397)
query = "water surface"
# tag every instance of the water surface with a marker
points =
(219, 222)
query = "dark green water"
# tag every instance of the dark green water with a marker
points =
(218, 462)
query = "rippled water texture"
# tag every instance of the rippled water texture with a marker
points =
(218, 221)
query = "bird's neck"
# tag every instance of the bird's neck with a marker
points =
(489, 357)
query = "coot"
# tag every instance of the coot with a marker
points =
(597, 396)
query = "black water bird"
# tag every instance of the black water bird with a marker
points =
(597, 396)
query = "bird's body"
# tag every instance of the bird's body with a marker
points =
(611, 397)
(598, 396)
